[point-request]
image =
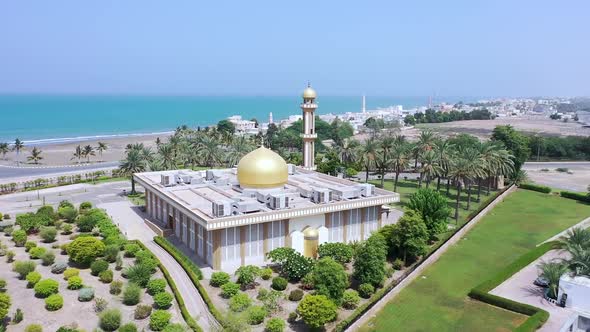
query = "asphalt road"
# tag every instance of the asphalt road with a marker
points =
(10, 172)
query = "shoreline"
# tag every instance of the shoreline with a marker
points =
(81, 139)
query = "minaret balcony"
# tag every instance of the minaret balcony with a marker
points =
(310, 107)
(314, 136)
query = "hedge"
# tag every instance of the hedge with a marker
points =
(535, 187)
(379, 294)
(193, 271)
(185, 314)
(577, 196)
(481, 292)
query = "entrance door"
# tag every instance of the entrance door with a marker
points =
(170, 221)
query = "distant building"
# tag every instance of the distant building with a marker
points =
(243, 126)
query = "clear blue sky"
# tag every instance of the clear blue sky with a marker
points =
(394, 48)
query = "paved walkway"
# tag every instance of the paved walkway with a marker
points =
(130, 220)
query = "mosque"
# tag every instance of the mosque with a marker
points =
(234, 217)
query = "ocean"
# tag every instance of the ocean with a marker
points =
(43, 120)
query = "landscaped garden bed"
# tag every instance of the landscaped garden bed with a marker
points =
(72, 267)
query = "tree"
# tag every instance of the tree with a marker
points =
(84, 250)
(134, 162)
(35, 156)
(515, 142)
(410, 236)
(400, 159)
(369, 262)
(4, 149)
(432, 207)
(78, 153)
(226, 126)
(18, 146)
(330, 279)
(102, 146)
(552, 271)
(316, 310)
(367, 156)
(247, 275)
(87, 152)
(429, 167)
(409, 120)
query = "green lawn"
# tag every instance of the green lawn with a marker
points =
(437, 300)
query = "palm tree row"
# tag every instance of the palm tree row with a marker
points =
(88, 151)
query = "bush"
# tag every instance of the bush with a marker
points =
(229, 289)
(275, 325)
(18, 316)
(266, 274)
(131, 249)
(316, 310)
(10, 256)
(129, 327)
(48, 234)
(432, 207)
(174, 328)
(106, 276)
(330, 279)
(119, 263)
(85, 294)
(46, 287)
(239, 302)
(296, 295)
(369, 263)
(100, 304)
(159, 320)
(19, 237)
(66, 229)
(23, 268)
(577, 196)
(292, 317)
(48, 258)
(142, 311)
(146, 258)
(132, 294)
(256, 315)
(59, 267)
(84, 250)
(247, 275)
(70, 272)
(8, 230)
(116, 287)
(350, 299)
(75, 282)
(397, 264)
(279, 283)
(338, 251)
(30, 245)
(33, 278)
(307, 282)
(534, 187)
(156, 286)
(54, 302)
(163, 300)
(219, 279)
(293, 265)
(110, 320)
(2, 284)
(4, 305)
(35, 253)
(69, 214)
(262, 294)
(111, 252)
(34, 328)
(139, 274)
(85, 206)
(366, 290)
(98, 266)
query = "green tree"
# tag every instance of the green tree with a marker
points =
(134, 162)
(515, 142)
(316, 310)
(410, 236)
(35, 156)
(102, 146)
(330, 279)
(18, 146)
(87, 152)
(369, 262)
(4, 149)
(432, 207)
(226, 126)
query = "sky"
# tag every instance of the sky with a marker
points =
(387, 48)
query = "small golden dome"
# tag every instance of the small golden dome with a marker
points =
(309, 93)
(262, 168)
(310, 232)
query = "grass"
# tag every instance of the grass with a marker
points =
(137, 199)
(438, 301)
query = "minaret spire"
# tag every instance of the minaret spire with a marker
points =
(308, 107)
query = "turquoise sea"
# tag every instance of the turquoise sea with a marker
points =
(52, 119)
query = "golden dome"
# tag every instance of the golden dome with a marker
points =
(262, 168)
(310, 232)
(309, 93)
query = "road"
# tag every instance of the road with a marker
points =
(577, 179)
(24, 172)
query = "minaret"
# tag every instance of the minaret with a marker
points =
(270, 118)
(364, 105)
(308, 107)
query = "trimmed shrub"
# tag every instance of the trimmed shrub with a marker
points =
(23, 268)
(139, 274)
(48, 258)
(66, 229)
(266, 274)
(33, 278)
(296, 295)
(18, 316)
(156, 286)
(59, 267)
(577, 196)
(85, 206)
(75, 282)
(111, 252)
(48, 233)
(84, 250)
(34, 328)
(279, 283)
(2, 284)
(174, 328)
(10, 256)
(4, 305)
(307, 282)
(350, 299)
(35, 253)
(240, 302)
(247, 275)
(132, 294)
(119, 262)
(256, 315)
(98, 266)
(67, 213)
(330, 279)
(262, 294)
(106, 276)
(131, 249)
(535, 187)
(30, 245)
(46, 287)
(366, 290)
(338, 251)
(70, 272)
(110, 320)
(292, 317)
(275, 325)
(219, 279)
(86, 294)
(316, 310)
(129, 327)
(229, 289)
(142, 311)
(54, 302)
(19, 237)
(116, 287)
(163, 300)
(159, 320)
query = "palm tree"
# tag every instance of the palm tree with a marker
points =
(576, 237)
(166, 154)
(425, 143)
(87, 152)
(442, 149)
(35, 156)
(209, 150)
(400, 160)
(78, 153)
(552, 272)
(239, 147)
(346, 151)
(134, 162)
(460, 172)
(579, 263)
(519, 177)
(429, 167)
(476, 168)
(366, 156)
(4, 149)
(17, 146)
(102, 146)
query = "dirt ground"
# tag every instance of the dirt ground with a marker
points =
(576, 179)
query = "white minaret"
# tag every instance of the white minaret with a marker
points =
(364, 105)
(308, 107)
(270, 118)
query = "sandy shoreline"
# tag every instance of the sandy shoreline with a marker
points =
(62, 153)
